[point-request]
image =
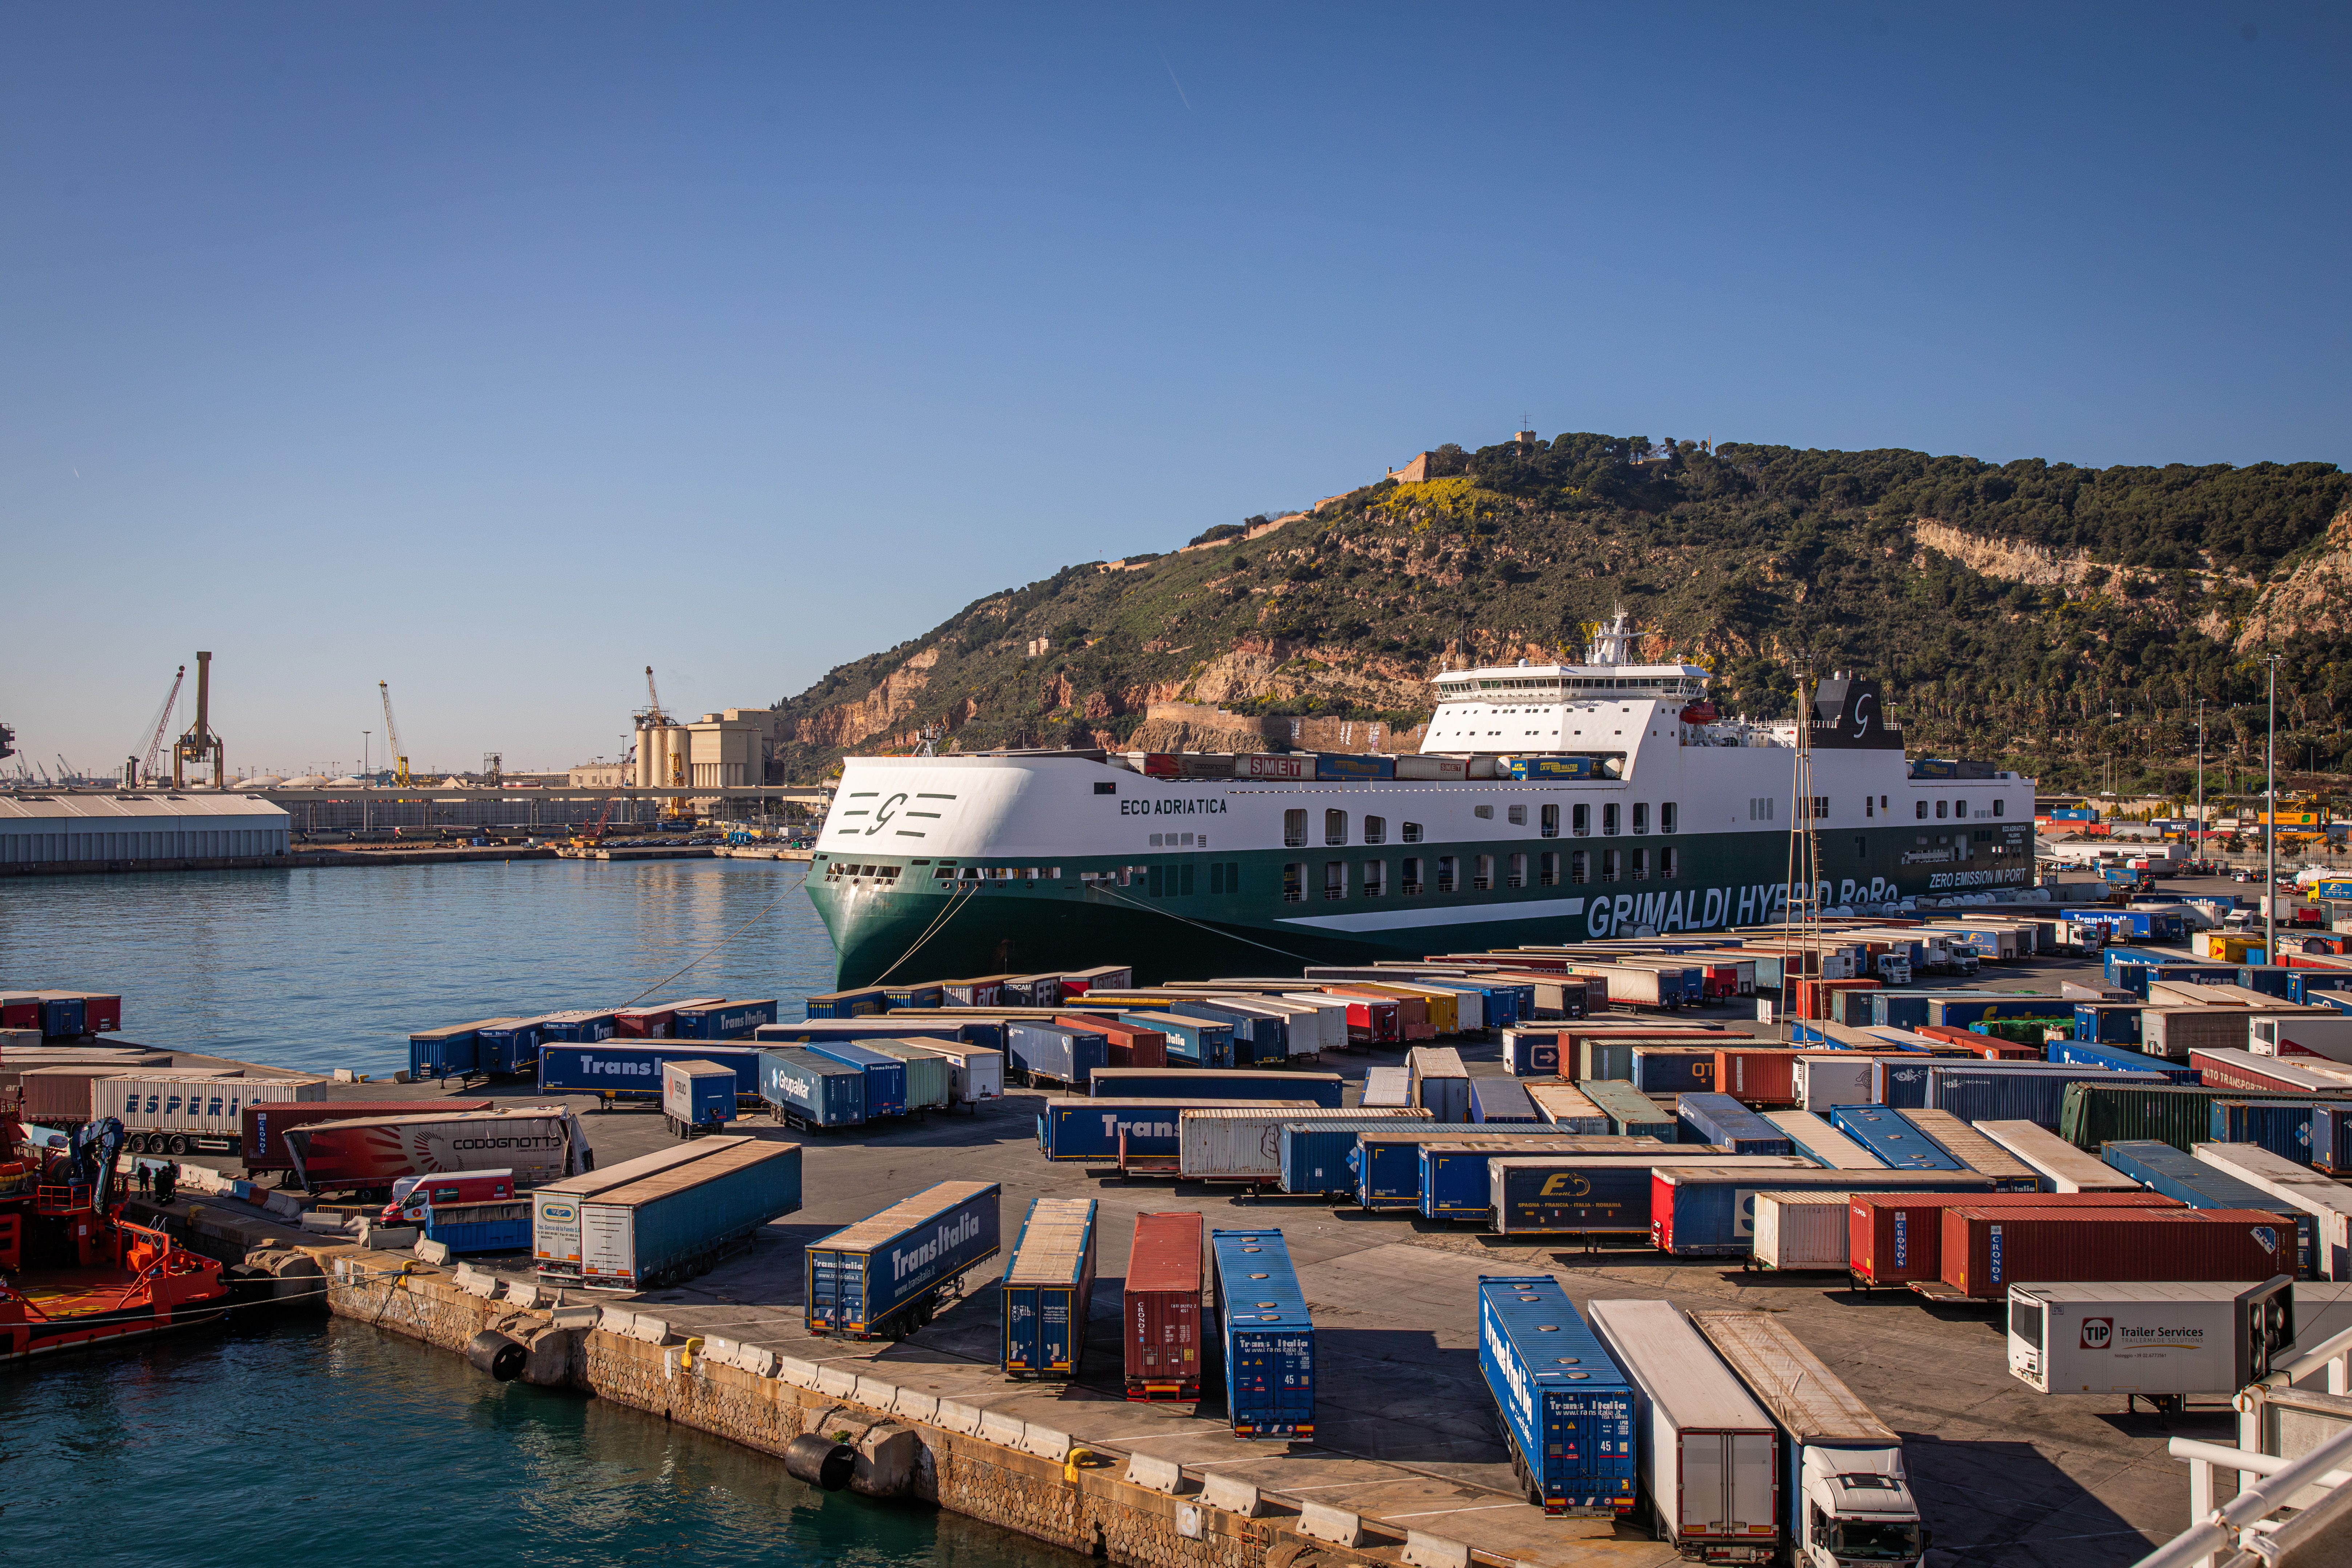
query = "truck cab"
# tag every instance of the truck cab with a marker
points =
(411, 1195)
(1893, 969)
(1858, 1509)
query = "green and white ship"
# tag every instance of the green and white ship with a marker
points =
(1668, 817)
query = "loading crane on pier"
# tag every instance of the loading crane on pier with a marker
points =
(391, 737)
(151, 765)
(201, 744)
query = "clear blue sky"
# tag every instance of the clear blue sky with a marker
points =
(500, 350)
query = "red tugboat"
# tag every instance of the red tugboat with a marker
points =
(74, 1273)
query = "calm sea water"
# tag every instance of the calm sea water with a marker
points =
(334, 968)
(259, 1445)
(310, 1440)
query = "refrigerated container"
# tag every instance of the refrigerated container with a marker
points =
(1986, 1250)
(1161, 1311)
(806, 1089)
(1722, 1122)
(884, 1275)
(1566, 1410)
(1048, 1290)
(1819, 1079)
(1631, 1114)
(2163, 1341)
(1267, 1336)
(1322, 1087)
(555, 1208)
(1707, 1456)
(1440, 1085)
(2324, 1034)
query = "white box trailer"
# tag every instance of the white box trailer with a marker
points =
(555, 1208)
(1707, 1455)
(1331, 1017)
(2163, 1341)
(2327, 1201)
(2320, 1032)
(1807, 1228)
(201, 1111)
(2062, 1167)
(1822, 1078)
(1387, 1089)
(975, 1072)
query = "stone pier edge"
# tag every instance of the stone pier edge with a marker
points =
(1004, 1472)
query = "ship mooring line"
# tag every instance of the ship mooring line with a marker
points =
(1212, 931)
(956, 901)
(722, 942)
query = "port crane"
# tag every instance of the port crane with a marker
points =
(391, 737)
(151, 765)
(676, 814)
(201, 743)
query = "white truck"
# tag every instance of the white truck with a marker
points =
(1707, 1456)
(1844, 1495)
(2162, 1342)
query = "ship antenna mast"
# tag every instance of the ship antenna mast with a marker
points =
(1800, 919)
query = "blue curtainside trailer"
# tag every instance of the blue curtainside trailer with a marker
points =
(1324, 1089)
(621, 1069)
(1889, 1134)
(728, 1020)
(812, 1090)
(1565, 1408)
(885, 1275)
(1266, 1334)
(447, 1053)
(885, 1077)
(1722, 1122)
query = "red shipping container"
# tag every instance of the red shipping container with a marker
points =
(1753, 1077)
(20, 1010)
(1897, 1237)
(100, 1014)
(1161, 1309)
(2214, 1072)
(1130, 1047)
(1383, 1016)
(60, 1096)
(644, 1023)
(266, 1125)
(1986, 1249)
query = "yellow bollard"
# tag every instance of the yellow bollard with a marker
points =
(1078, 1459)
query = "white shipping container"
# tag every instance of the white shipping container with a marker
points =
(2163, 1339)
(1387, 1088)
(1441, 1084)
(1803, 1230)
(206, 1106)
(1236, 1144)
(2322, 1032)
(976, 1073)
(1708, 1454)
(1824, 1079)
(2062, 1167)
(1330, 1018)
(2173, 1032)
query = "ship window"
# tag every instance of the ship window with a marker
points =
(1412, 875)
(1669, 864)
(1376, 829)
(1519, 877)
(1335, 879)
(1641, 865)
(1413, 833)
(1579, 818)
(1580, 866)
(1294, 828)
(1517, 815)
(1666, 817)
(1448, 868)
(1334, 827)
(1483, 878)
(1641, 817)
(1609, 864)
(1923, 811)
(1376, 879)
(1997, 805)
(1869, 806)
(1484, 813)
(1548, 869)
(1608, 819)
(1293, 882)
(1216, 877)
(1548, 826)
(1882, 803)
(1939, 810)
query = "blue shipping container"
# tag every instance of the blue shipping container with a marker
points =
(1349, 765)
(813, 1089)
(968, 1031)
(1250, 1040)
(576, 1028)
(1888, 1133)
(1135, 1083)
(2312, 986)
(1387, 1167)
(481, 1227)
(1721, 1120)
(1268, 1338)
(1049, 1050)
(2161, 1168)
(1568, 1194)
(2014, 1094)
(883, 1274)
(1318, 1157)
(1453, 1182)
(2117, 1058)
(2107, 1023)
(631, 1069)
(1048, 1288)
(722, 1020)
(1532, 1052)
(1198, 1041)
(1671, 1069)
(1706, 1214)
(62, 1017)
(1500, 1099)
(2331, 1139)
(443, 1053)
(1089, 1129)
(846, 1003)
(885, 1077)
(507, 1046)
(1567, 1408)
(1903, 1085)
(2281, 1126)
(2270, 979)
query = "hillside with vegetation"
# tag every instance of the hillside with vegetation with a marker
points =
(2067, 619)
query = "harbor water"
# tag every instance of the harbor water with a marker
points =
(259, 1445)
(334, 967)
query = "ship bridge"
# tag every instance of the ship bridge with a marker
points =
(1530, 706)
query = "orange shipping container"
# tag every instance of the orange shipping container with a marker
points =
(1763, 1076)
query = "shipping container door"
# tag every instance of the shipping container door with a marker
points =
(1754, 1484)
(1706, 1488)
(608, 1235)
(1023, 1347)
(555, 1236)
(1052, 1330)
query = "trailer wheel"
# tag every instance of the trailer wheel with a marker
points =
(178, 1144)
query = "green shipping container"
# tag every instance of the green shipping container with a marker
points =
(1632, 1113)
(2022, 1031)
(929, 1075)
(2182, 1116)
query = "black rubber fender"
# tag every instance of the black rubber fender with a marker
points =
(493, 1352)
(820, 1461)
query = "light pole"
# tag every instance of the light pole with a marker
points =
(2200, 779)
(2270, 824)
(366, 736)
